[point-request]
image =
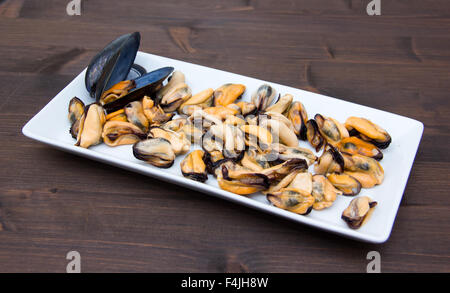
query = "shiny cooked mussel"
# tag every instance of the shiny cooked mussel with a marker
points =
(255, 161)
(154, 113)
(298, 116)
(228, 93)
(213, 160)
(201, 100)
(331, 161)
(353, 145)
(285, 153)
(303, 181)
(241, 181)
(193, 166)
(257, 137)
(263, 97)
(293, 200)
(118, 115)
(135, 114)
(76, 110)
(345, 183)
(176, 78)
(280, 132)
(330, 129)
(281, 105)
(180, 144)
(120, 133)
(247, 108)
(358, 212)
(313, 135)
(176, 96)
(368, 131)
(278, 172)
(367, 171)
(175, 124)
(91, 126)
(155, 151)
(323, 192)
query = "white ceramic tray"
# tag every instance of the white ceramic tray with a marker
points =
(51, 127)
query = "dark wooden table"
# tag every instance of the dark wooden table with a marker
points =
(53, 202)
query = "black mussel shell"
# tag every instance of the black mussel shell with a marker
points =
(125, 49)
(145, 85)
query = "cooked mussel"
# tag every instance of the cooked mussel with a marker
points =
(345, 183)
(353, 145)
(176, 78)
(193, 166)
(201, 100)
(180, 144)
(280, 132)
(358, 212)
(263, 97)
(368, 131)
(298, 117)
(323, 192)
(213, 160)
(313, 135)
(330, 129)
(293, 200)
(303, 181)
(278, 172)
(118, 115)
(286, 153)
(247, 108)
(367, 171)
(76, 110)
(281, 105)
(176, 96)
(135, 114)
(255, 161)
(257, 137)
(228, 93)
(91, 126)
(331, 161)
(241, 182)
(154, 113)
(120, 133)
(155, 151)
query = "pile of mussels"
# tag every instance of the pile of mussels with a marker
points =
(248, 146)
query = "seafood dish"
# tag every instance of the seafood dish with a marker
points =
(248, 147)
(251, 140)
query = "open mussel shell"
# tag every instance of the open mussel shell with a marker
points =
(144, 85)
(120, 55)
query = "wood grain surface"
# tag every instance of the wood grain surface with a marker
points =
(52, 202)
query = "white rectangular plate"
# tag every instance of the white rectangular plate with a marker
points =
(51, 126)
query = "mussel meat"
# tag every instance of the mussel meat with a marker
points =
(193, 166)
(155, 151)
(358, 212)
(91, 126)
